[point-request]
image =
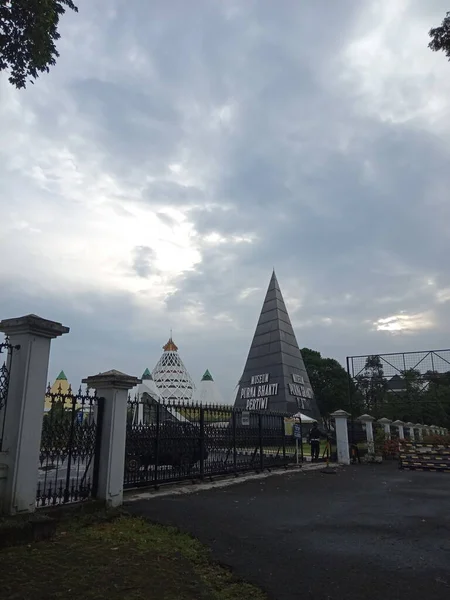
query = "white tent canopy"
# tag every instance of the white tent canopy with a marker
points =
(304, 418)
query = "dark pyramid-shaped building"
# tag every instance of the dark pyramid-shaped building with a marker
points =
(275, 377)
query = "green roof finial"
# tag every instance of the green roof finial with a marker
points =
(61, 377)
(147, 375)
(207, 376)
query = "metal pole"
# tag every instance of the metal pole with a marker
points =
(155, 474)
(350, 396)
(202, 442)
(233, 421)
(261, 449)
(296, 450)
(70, 444)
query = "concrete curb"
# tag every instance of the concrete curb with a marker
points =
(181, 488)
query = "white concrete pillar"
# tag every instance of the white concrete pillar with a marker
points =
(25, 407)
(343, 452)
(386, 426)
(401, 431)
(419, 428)
(112, 390)
(368, 421)
(410, 427)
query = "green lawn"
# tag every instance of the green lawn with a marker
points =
(125, 558)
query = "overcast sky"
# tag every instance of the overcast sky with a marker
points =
(181, 150)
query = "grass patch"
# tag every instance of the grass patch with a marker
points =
(125, 558)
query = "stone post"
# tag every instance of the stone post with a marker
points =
(368, 420)
(401, 431)
(24, 409)
(419, 428)
(387, 427)
(343, 454)
(410, 426)
(112, 390)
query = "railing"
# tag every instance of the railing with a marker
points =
(5, 367)
(69, 448)
(171, 441)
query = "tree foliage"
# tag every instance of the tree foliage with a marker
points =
(28, 32)
(329, 380)
(440, 37)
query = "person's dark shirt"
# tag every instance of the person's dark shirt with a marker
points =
(314, 434)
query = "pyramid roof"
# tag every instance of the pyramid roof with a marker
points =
(275, 377)
(60, 385)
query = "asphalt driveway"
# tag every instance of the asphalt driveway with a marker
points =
(369, 532)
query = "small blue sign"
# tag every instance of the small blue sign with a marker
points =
(297, 431)
(80, 416)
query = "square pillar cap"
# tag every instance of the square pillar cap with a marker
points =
(409, 424)
(112, 379)
(340, 414)
(366, 418)
(398, 423)
(384, 421)
(34, 325)
(418, 426)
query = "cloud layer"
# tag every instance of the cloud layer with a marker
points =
(178, 151)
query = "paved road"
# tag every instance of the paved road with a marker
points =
(368, 532)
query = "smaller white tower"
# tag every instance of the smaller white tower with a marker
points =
(207, 391)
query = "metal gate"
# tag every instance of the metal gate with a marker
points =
(171, 441)
(69, 448)
(6, 349)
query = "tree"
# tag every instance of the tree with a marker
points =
(440, 37)
(436, 398)
(28, 31)
(371, 384)
(329, 381)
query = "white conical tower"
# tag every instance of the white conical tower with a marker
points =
(144, 397)
(171, 377)
(207, 391)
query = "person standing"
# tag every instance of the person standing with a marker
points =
(314, 440)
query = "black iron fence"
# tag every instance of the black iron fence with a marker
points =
(69, 447)
(171, 441)
(408, 386)
(6, 357)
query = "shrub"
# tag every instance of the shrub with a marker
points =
(390, 449)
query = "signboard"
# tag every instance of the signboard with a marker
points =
(297, 431)
(258, 393)
(245, 417)
(79, 416)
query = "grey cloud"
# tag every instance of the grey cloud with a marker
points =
(143, 259)
(339, 203)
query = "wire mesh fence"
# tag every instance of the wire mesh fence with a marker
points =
(406, 386)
